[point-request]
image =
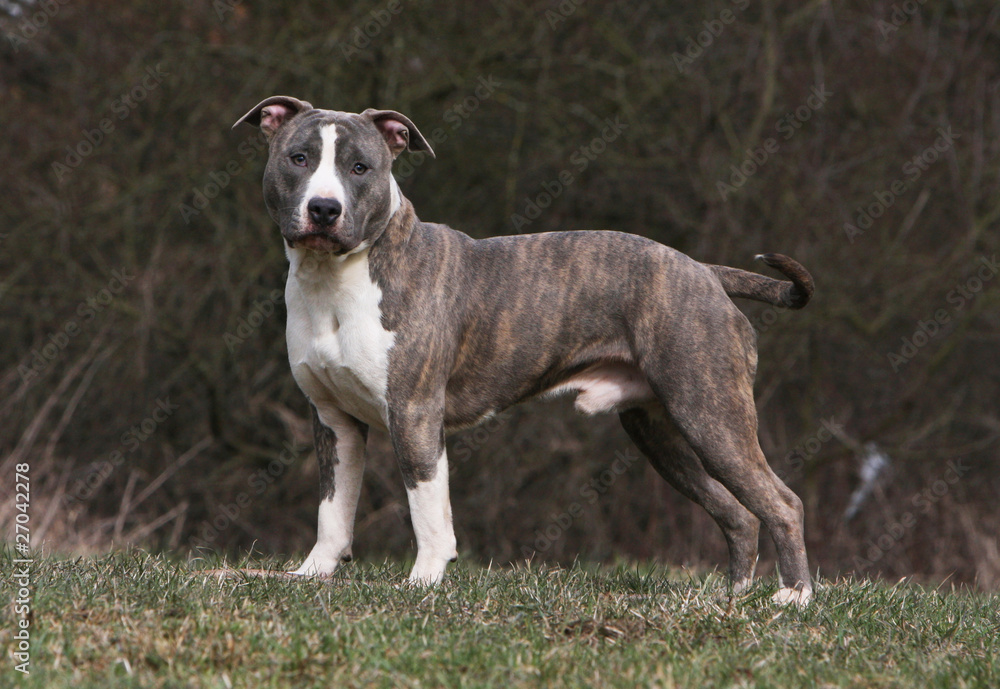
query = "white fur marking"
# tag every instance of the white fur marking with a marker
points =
(606, 387)
(337, 347)
(742, 585)
(325, 182)
(395, 197)
(790, 596)
(335, 531)
(430, 512)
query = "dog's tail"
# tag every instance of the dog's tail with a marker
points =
(747, 285)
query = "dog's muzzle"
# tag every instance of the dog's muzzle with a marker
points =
(324, 212)
(324, 231)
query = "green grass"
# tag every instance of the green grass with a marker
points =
(139, 620)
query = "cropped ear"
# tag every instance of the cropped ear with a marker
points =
(398, 131)
(273, 112)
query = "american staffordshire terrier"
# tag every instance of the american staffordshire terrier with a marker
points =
(419, 330)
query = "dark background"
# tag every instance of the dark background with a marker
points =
(153, 402)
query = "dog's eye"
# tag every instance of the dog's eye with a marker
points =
(299, 159)
(359, 168)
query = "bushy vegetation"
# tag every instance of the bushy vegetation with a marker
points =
(143, 374)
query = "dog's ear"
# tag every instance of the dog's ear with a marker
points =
(273, 112)
(398, 131)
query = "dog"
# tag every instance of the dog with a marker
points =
(419, 330)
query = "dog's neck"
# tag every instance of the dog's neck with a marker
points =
(391, 245)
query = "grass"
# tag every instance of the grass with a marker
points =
(138, 620)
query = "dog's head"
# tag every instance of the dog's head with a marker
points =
(328, 182)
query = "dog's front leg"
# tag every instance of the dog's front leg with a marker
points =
(340, 451)
(418, 440)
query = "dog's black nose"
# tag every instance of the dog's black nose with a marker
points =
(324, 212)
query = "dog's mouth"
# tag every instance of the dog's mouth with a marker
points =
(324, 240)
(316, 241)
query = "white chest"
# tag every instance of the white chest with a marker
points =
(337, 347)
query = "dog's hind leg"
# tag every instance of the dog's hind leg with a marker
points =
(670, 454)
(726, 442)
(703, 375)
(340, 451)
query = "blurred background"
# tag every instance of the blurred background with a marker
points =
(143, 371)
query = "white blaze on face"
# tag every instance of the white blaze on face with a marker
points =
(325, 182)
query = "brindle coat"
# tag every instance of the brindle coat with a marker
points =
(479, 325)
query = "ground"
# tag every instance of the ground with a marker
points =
(139, 620)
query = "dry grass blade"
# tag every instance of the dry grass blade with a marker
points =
(35, 427)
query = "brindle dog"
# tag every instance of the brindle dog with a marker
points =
(419, 330)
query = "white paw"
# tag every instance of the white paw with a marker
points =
(789, 596)
(741, 586)
(310, 569)
(317, 565)
(427, 573)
